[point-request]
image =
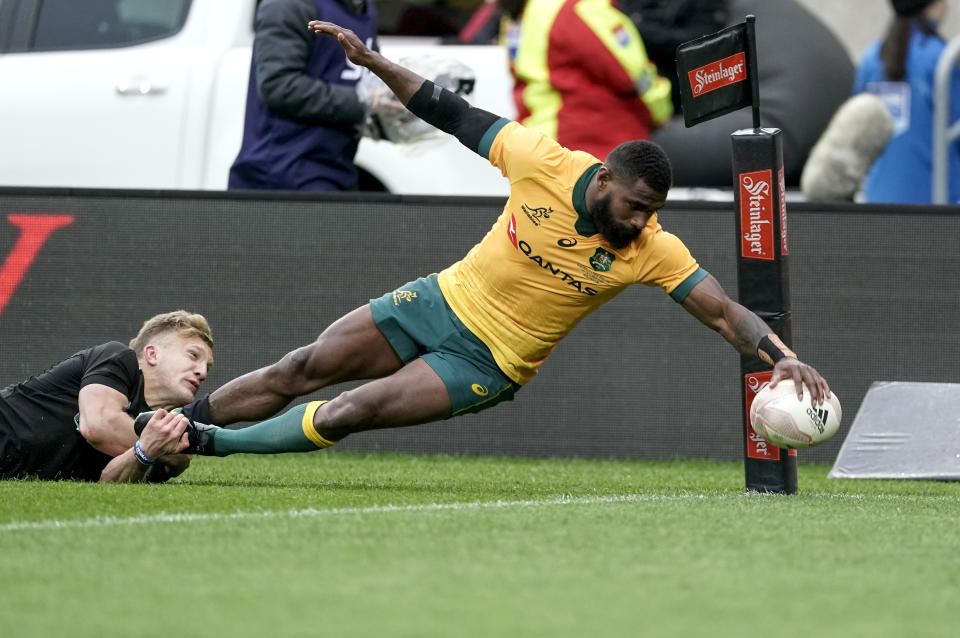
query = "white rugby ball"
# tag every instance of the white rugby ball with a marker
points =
(780, 419)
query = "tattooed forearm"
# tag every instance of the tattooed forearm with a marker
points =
(748, 330)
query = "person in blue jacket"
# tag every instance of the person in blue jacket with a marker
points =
(900, 68)
(301, 128)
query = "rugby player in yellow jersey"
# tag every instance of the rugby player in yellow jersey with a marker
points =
(573, 234)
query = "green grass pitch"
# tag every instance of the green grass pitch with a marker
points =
(344, 544)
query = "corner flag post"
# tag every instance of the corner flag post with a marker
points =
(718, 74)
(752, 72)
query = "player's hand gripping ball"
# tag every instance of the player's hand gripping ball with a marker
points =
(782, 420)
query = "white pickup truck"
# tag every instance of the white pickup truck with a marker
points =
(150, 94)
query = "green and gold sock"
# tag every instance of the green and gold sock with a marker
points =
(292, 431)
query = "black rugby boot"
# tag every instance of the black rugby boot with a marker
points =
(199, 435)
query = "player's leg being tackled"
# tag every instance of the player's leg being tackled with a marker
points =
(292, 431)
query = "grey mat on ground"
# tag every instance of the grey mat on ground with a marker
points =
(904, 430)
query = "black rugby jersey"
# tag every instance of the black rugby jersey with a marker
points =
(38, 435)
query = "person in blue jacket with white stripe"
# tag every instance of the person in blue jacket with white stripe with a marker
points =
(901, 68)
(303, 117)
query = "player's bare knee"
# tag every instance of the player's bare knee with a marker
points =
(294, 374)
(343, 416)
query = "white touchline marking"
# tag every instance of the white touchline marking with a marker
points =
(163, 517)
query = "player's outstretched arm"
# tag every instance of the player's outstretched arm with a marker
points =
(751, 337)
(438, 107)
(401, 80)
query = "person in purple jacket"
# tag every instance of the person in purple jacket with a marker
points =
(301, 128)
(900, 68)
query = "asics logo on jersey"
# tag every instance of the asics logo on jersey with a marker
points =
(566, 242)
(479, 390)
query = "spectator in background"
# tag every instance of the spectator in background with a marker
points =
(900, 69)
(581, 74)
(666, 24)
(805, 74)
(663, 26)
(303, 115)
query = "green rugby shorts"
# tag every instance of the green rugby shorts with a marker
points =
(417, 322)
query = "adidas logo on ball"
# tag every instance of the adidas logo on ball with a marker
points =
(819, 418)
(787, 422)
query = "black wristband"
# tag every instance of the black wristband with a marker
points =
(771, 349)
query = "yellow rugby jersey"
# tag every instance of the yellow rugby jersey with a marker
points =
(543, 266)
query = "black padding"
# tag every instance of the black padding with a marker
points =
(451, 114)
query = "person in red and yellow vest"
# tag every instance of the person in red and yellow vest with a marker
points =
(581, 73)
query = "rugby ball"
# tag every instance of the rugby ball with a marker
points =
(780, 419)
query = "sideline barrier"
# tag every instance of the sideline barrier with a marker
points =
(873, 290)
(944, 134)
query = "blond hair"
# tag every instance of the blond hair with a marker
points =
(184, 323)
